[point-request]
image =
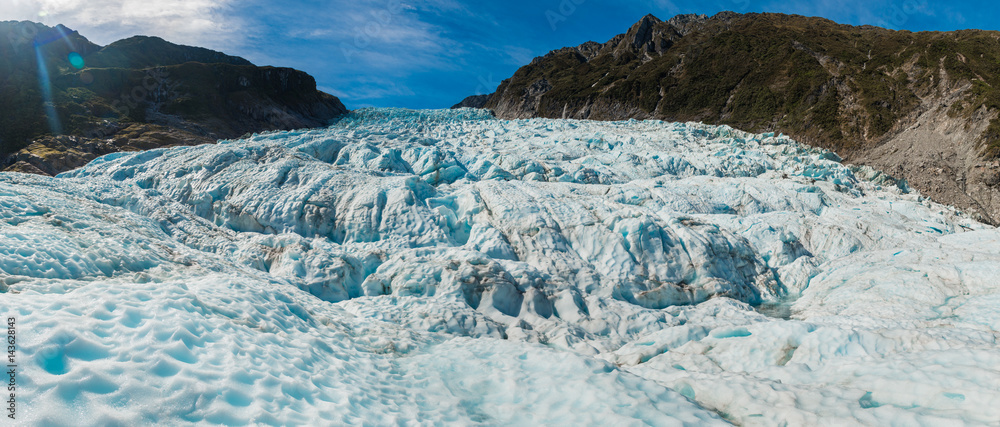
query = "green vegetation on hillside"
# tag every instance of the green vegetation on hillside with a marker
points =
(825, 83)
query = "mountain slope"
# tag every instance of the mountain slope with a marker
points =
(67, 100)
(144, 52)
(865, 92)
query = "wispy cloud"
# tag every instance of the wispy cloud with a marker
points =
(371, 88)
(893, 14)
(207, 23)
(398, 41)
(429, 53)
(389, 35)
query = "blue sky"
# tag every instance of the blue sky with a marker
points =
(433, 53)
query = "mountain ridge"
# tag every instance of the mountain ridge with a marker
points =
(868, 93)
(69, 100)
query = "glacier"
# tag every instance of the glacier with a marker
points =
(444, 266)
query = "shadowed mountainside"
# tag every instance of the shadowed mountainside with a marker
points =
(67, 100)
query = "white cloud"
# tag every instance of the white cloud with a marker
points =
(208, 23)
(370, 88)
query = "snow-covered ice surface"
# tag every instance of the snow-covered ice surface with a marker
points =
(445, 267)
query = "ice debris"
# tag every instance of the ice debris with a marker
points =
(531, 271)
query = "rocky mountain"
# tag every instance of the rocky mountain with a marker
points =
(66, 100)
(921, 106)
(474, 101)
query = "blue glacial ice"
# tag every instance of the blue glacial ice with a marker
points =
(449, 267)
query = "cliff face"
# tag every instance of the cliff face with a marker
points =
(923, 106)
(66, 100)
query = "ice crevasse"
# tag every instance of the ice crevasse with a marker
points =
(448, 267)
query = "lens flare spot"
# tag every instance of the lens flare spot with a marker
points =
(76, 60)
(86, 78)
